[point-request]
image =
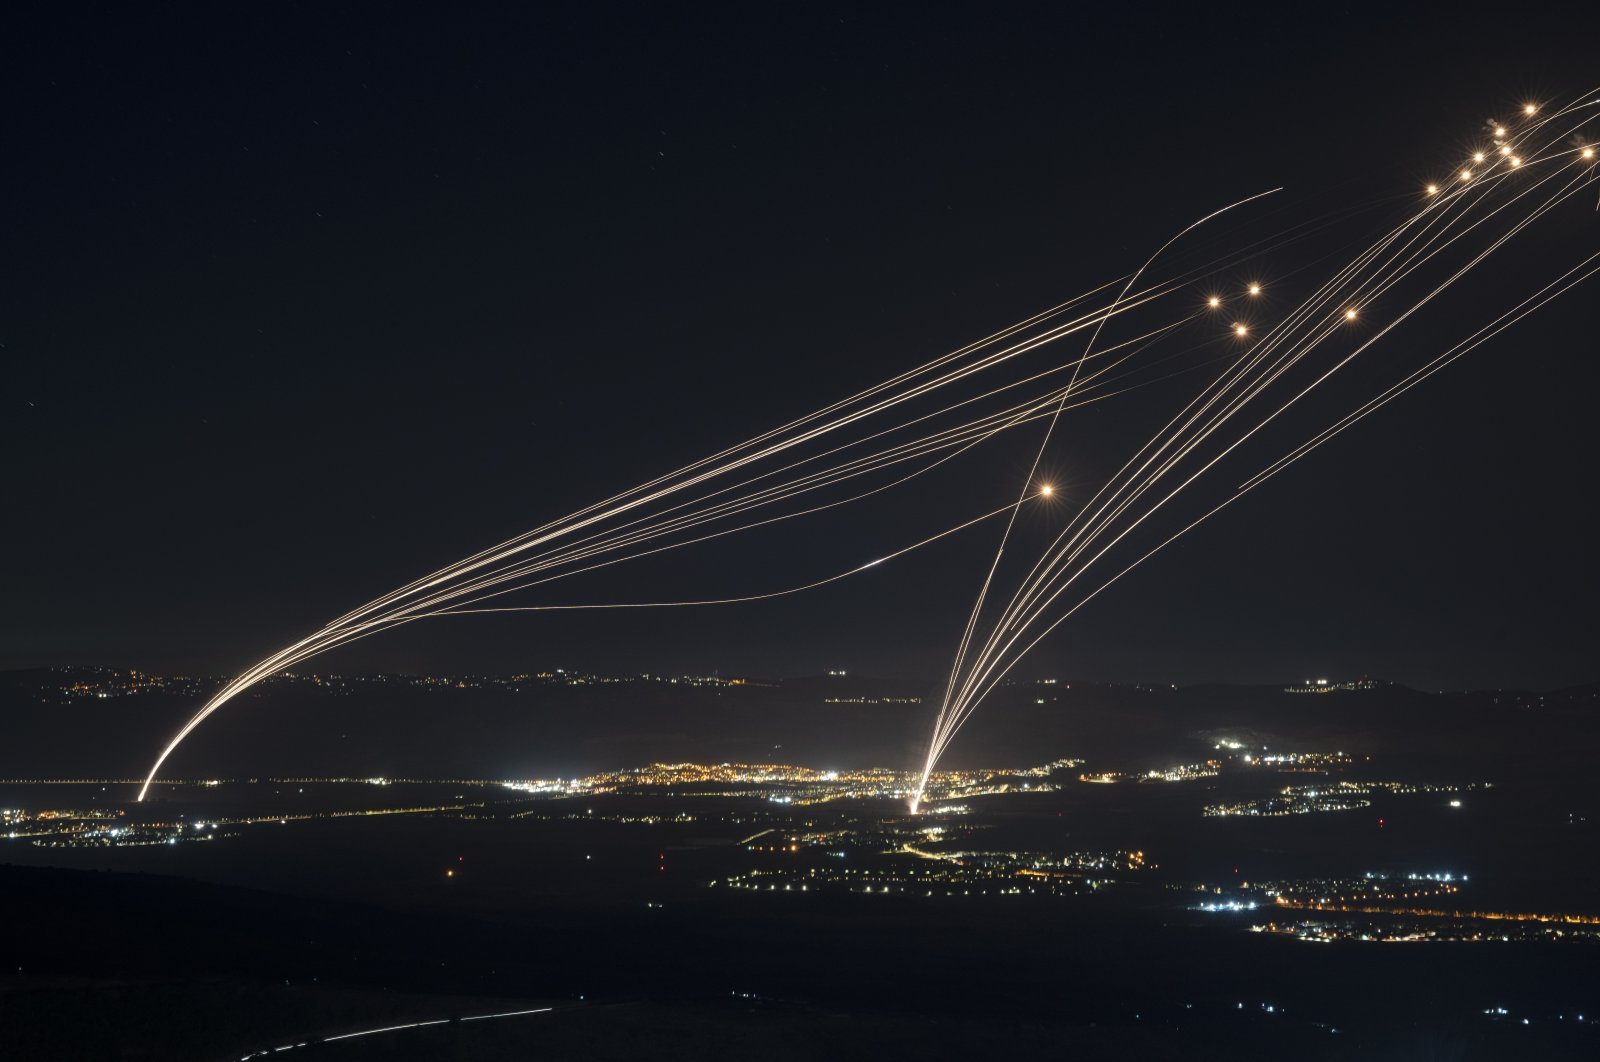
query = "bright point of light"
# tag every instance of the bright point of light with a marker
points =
(1529, 108)
(1498, 131)
(1515, 161)
(1255, 289)
(1455, 803)
(1433, 189)
(1588, 153)
(1239, 329)
(1350, 315)
(1477, 156)
(1214, 302)
(1466, 175)
(1047, 490)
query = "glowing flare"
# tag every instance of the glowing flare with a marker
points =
(1213, 302)
(1515, 161)
(1477, 156)
(1529, 108)
(1255, 289)
(1240, 329)
(1433, 189)
(1047, 490)
(1588, 153)
(1350, 315)
(1466, 175)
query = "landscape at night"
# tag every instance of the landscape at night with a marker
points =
(705, 533)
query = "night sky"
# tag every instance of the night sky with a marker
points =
(302, 302)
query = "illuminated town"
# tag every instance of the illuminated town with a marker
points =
(810, 830)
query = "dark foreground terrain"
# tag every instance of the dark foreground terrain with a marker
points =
(683, 917)
(112, 965)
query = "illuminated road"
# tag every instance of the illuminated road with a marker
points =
(392, 1029)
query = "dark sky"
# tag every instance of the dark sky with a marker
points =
(303, 301)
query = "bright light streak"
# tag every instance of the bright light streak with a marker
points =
(1131, 497)
(399, 1028)
(385, 1029)
(509, 1014)
(911, 424)
(654, 517)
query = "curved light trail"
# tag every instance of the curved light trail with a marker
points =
(863, 447)
(1263, 377)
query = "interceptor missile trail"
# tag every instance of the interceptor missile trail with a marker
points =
(863, 445)
(856, 451)
(1050, 425)
(1433, 240)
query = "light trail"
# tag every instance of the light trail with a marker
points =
(1550, 292)
(920, 421)
(757, 597)
(362, 1033)
(1033, 471)
(388, 611)
(1112, 512)
(1015, 625)
(415, 600)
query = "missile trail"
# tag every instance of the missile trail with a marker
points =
(857, 452)
(1116, 510)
